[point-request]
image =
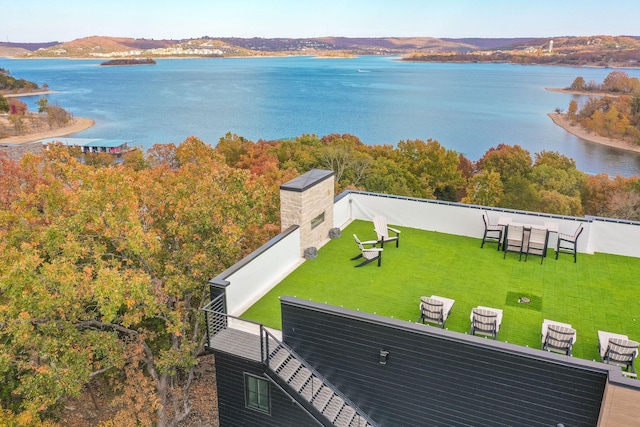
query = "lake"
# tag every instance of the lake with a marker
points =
(466, 107)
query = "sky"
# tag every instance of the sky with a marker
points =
(66, 20)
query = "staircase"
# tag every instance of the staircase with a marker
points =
(316, 391)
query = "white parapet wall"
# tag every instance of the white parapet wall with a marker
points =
(599, 234)
(342, 211)
(250, 279)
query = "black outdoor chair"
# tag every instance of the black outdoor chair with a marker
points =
(568, 244)
(492, 232)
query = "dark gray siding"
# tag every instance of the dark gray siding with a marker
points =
(440, 378)
(232, 412)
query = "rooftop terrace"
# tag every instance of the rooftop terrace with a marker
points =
(596, 293)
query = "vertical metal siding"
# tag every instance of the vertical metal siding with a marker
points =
(232, 411)
(433, 381)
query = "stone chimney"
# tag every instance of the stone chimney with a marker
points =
(307, 201)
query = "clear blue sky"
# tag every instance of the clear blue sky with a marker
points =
(65, 20)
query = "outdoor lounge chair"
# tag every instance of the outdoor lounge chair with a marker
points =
(485, 321)
(382, 230)
(492, 232)
(568, 244)
(435, 309)
(558, 337)
(368, 251)
(537, 244)
(619, 350)
(514, 240)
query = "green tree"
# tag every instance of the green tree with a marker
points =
(434, 166)
(4, 104)
(520, 193)
(510, 161)
(484, 189)
(43, 104)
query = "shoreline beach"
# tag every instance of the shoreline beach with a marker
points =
(563, 121)
(25, 94)
(79, 124)
(582, 92)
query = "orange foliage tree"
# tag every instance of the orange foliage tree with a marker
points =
(105, 269)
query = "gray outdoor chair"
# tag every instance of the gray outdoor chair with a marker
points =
(435, 309)
(537, 243)
(382, 230)
(619, 350)
(492, 232)
(568, 244)
(514, 240)
(485, 321)
(558, 337)
(368, 251)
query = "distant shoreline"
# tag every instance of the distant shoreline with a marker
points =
(79, 124)
(562, 120)
(582, 92)
(23, 94)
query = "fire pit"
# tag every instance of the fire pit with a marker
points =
(524, 300)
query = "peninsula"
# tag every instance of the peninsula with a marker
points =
(562, 120)
(75, 125)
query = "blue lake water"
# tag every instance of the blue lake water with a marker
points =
(466, 107)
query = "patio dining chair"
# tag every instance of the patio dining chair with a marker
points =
(558, 337)
(619, 350)
(537, 243)
(485, 321)
(514, 240)
(382, 230)
(368, 251)
(435, 309)
(568, 244)
(492, 232)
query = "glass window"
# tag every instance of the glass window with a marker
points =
(257, 393)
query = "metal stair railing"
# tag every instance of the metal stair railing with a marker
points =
(303, 383)
(310, 385)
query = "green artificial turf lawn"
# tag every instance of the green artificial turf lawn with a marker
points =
(599, 292)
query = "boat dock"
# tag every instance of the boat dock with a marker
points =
(93, 145)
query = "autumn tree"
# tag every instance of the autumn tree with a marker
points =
(104, 270)
(17, 107)
(578, 84)
(573, 109)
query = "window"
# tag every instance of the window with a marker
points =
(256, 392)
